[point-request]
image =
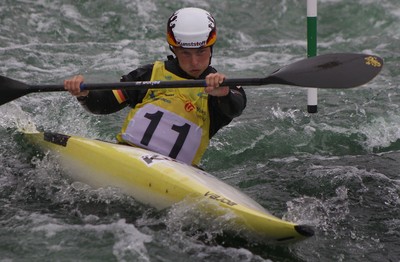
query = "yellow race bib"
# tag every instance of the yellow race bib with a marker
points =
(174, 122)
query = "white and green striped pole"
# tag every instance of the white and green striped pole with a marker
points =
(312, 93)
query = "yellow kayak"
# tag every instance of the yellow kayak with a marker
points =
(161, 182)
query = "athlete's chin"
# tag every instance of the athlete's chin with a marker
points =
(195, 73)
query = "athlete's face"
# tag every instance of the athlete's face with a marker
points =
(193, 60)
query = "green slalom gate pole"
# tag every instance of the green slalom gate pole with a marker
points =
(312, 93)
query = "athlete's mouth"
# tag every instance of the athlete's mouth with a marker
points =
(195, 72)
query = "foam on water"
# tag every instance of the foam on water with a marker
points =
(381, 132)
(343, 190)
(129, 243)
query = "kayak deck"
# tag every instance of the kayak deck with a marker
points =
(161, 182)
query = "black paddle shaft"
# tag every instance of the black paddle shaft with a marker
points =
(341, 70)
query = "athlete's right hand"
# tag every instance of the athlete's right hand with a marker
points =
(73, 84)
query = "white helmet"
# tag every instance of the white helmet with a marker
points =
(191, 28)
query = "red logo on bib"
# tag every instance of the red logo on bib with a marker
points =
(189, 106)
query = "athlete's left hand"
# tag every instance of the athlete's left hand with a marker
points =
(213, 81)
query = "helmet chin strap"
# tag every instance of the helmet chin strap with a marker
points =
(211, 50)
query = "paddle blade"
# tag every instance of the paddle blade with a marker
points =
(11, 89)
(341, 70)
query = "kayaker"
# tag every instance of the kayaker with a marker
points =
(176, 122)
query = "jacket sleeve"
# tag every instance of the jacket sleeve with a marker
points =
(234, 103)
(101, 102)
(105, 102)
(224, 109)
